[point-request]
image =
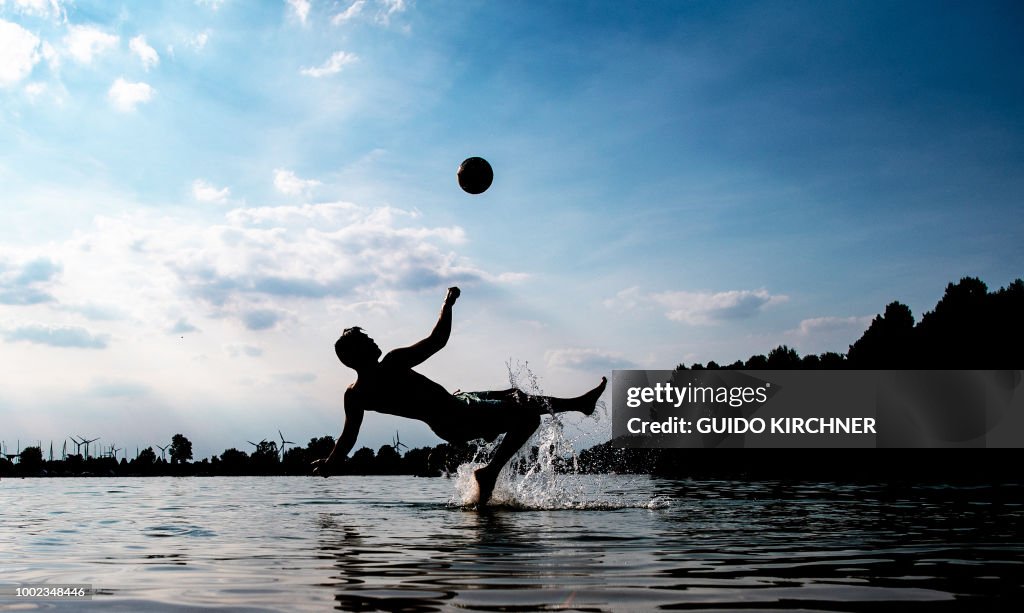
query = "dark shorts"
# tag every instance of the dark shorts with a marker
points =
(475, 415)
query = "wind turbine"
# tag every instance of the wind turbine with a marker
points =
(87, 442)
(64, 451)
(162, 448)
(9, 456)
(78, 445)
(397, 443)
(283, 443)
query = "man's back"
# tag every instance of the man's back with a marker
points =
(396, 389)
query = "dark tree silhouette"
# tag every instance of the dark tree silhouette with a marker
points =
(31, 461)
(888, 342)
(147, 457)
(181, 449)
(320, 447)
(361, 462)
(264, 459)
(756, 362)
(234, 462)
(388, 460)
(783, 357)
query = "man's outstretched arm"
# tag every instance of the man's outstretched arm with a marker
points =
(418, 353)
(346, 441)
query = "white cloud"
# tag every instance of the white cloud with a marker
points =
(145, 53)
(286, 182)
(626, 300)
(698, 308)
(301, 10)
(213, 5)
(820, 334)
(389, 8)
(386, 9)
(351, 252)
(198, 42)
(125, 95)
(348, 14)
(34, 90)
(512, 277)
(39, 8)
(817, 325)
(84, 43)
(257, 268)
(19, 53)
(707, 307)
(333, 65)
(205, 192)
(586, 359)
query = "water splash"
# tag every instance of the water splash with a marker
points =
(545, 472)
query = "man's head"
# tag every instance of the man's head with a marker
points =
(355, 349)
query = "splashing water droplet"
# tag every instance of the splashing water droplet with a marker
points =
(545, 473)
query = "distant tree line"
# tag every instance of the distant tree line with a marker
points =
(970, 327)
(265, 459)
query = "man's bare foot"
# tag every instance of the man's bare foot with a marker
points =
(590, 398)
(485, 479)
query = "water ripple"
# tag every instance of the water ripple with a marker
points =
(387, 543)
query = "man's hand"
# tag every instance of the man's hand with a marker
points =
(453, 295)
(324, 466)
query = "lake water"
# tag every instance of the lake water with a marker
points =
(396, 543)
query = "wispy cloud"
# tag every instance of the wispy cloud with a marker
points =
(199, 40)
(96, 312)
(388, 9)
(300, 8)
(586, 359)
(38, 8)
(286, 182)
(57, 336)
(146, 54)
(125, 96)
(818, 334)
(349, 13)
(383, 13)
(295, 377)
(333, 65)
(698, 308)
(213, 5)
(237, 350)
(206, 192)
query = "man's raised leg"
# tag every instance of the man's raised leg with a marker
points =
(517, 436)
(544, 405)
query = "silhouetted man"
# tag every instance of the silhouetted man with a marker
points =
(390, 385)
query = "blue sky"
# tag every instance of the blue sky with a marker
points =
(198, 196)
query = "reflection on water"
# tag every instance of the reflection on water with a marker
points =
(393, 543)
